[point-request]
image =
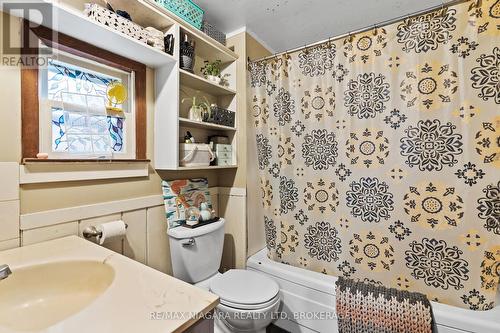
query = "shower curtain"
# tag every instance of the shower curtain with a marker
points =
(379, 154)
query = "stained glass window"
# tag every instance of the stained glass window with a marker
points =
(80, 123)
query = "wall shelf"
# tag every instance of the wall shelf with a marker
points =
(215, 167)
(197, 124)
(199, 83)
(208, 48)
(149, 13)
(144, 13)
(74, 23)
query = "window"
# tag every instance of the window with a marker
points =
(66, 111)
(77, 119)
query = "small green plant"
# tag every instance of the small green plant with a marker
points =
(224, 80)
(197, 105)
(211, 68)
(198, 108)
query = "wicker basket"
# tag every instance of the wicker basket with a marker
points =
(212, 31)
(112, 20)
(186, 10)
(220, 116)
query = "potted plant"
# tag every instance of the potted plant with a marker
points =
(211, 70)
(224, 80)
(197, 109)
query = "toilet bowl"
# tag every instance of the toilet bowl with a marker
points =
(230, 320)
(249, 301)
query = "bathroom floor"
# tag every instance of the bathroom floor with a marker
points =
(275, 329)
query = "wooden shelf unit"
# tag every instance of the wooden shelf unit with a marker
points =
(171, 120)
(70, 20)
(197, 124)
(199, 83)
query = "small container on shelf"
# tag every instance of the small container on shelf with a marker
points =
(116, 22)
(225, 162)
(220, 116)
(156, 38)
(169, 42)
(216, 139)
(186, 10)
(187, 54)
(211, 31)
(223, 154)
(195, 155)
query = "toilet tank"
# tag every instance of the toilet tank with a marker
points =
(196, 253)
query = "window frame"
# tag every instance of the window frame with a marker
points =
(30, 99)
(46, 105)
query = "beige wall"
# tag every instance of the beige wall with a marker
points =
(247, 233)
(10, 117)
(255, 224)
(229, 177)
(233, 207)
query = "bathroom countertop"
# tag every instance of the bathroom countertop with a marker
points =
(140, 298)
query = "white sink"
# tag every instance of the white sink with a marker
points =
(71, 285)
(36, 297)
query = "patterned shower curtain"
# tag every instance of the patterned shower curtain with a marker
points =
(379, 154)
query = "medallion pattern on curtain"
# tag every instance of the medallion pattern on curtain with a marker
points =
(379, 154)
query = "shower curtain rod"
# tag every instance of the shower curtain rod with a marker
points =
(364, 29)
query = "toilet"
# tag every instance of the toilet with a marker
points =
(249, 301)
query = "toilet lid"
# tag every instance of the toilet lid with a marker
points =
(242, 287)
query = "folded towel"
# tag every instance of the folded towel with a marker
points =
(367, 308)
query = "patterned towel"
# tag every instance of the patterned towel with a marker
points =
(367, 308)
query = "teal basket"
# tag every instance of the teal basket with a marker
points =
(186, 10)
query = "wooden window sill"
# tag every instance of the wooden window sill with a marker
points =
(34, 171)
(28, 161)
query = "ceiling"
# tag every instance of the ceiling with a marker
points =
(285, 24)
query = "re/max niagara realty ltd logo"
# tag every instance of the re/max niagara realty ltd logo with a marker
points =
(21, 24)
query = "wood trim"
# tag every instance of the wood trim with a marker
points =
(102, 161)
(42, 173)
(29, 101)
(140, 114)
(85, 50)
(29, 112)
(29, 88)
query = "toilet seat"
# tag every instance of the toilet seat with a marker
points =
(259, 306)
(245, 290)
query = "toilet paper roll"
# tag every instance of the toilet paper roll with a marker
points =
(111, 230)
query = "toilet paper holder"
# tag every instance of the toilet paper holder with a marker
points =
(91, 232)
